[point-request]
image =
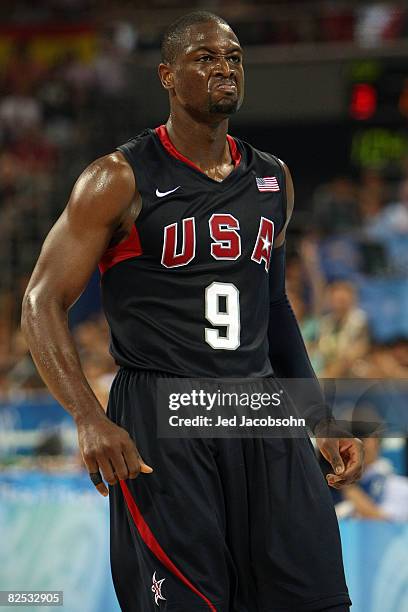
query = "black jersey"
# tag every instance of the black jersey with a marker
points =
(188, 292)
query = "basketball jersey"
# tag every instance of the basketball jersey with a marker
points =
(187, 292)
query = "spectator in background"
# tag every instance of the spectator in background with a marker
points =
(370, 206)
(22, 73)
(372, 181)
(37, 155)
(385, 360)
(343, 338)
(80, 78)
(379, 21)
(109, 67)
(372, 194)
(58, 107)
(17, 114)
(11, 179)
(21, 374)
(305, 286)
(19, 108)
(309, 326)
(380, 493)
(335, 207)
(303, 273)
(393, 220)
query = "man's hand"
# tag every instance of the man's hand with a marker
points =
(344, 453)
(108, 448)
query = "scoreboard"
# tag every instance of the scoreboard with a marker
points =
(379, 90)
(377, 107)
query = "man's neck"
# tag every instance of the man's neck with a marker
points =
(204, 144)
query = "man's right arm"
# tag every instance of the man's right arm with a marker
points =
(103, 200)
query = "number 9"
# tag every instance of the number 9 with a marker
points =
(229, 319)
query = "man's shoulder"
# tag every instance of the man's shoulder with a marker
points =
(137, 143)
(259, 155)
(108, 168)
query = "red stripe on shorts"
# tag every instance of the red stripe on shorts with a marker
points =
(151, 542)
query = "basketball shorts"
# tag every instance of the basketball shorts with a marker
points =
(221, 525)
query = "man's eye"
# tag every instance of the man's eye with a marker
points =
(205, 58)
(235, 59)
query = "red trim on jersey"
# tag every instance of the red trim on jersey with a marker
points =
(130, 247)
(235, 153)
(163, 134)
(151, 542)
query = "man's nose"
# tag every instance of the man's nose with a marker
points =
(223, 67)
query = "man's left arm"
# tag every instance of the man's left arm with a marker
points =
(289, 359)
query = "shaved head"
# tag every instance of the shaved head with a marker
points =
(174, 38)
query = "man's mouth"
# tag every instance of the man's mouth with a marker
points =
(227, 86)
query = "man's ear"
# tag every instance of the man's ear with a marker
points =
(166, 75)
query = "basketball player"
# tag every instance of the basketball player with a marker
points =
(181, 219)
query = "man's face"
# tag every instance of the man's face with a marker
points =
(207, 76)
(341, 299)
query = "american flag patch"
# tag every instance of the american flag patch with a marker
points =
(267, 183)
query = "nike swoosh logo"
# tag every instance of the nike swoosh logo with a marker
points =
(161, 194)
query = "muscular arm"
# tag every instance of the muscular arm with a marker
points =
(103, 201)
(289, 359)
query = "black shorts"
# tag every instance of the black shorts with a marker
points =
(226, 525)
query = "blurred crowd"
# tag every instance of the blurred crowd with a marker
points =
(355, 249)
(365, 23)
(53, 120)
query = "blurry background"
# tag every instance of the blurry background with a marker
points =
(326, 91)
